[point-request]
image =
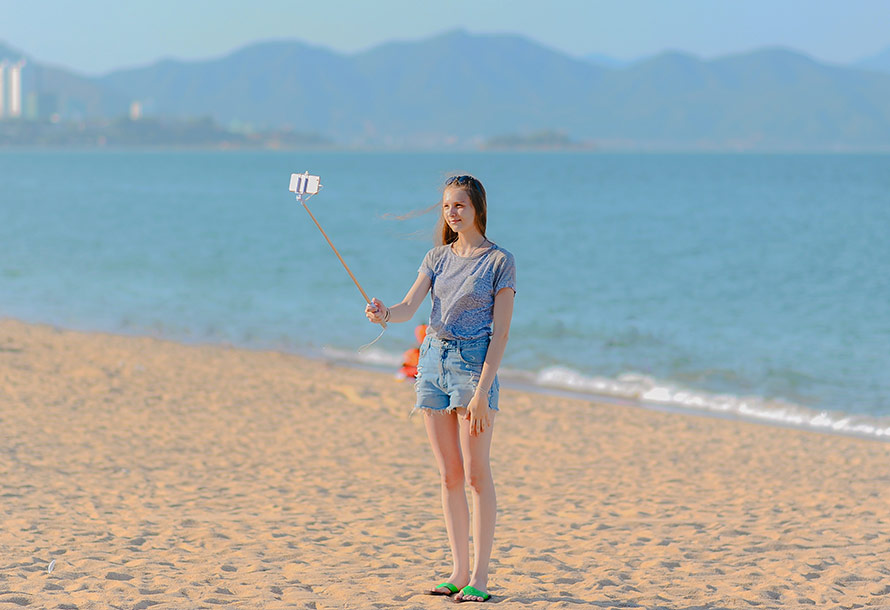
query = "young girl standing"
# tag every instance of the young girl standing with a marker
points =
(473, 283)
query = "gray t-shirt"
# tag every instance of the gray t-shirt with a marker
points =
(463, 290)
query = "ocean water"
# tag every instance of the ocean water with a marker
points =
(755, 286)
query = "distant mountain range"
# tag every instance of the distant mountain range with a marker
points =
(461, 89)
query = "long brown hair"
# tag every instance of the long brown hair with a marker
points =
(476, 193)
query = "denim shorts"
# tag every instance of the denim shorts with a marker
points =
(448, 372)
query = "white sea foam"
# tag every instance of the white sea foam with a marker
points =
(648, 391)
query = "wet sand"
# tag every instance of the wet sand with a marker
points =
(161, 475)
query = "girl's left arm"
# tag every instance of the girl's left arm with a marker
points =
(503, 314)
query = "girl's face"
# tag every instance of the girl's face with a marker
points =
(458, 210)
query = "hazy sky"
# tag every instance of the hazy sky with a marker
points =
(95, 36)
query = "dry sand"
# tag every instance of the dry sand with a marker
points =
(161, 475)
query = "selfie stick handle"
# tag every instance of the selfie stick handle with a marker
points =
(345, 266)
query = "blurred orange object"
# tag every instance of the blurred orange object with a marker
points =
(411, 356)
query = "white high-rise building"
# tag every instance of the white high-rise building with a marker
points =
(15, 89)
(3, 65)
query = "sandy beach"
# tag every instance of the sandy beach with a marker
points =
(160, 475)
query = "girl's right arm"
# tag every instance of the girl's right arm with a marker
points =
(403, 311)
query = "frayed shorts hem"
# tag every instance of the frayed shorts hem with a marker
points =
(443, 411)
(434, 410)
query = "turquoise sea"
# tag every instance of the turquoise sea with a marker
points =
(754, 286)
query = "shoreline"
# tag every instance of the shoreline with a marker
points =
(159, 473)
(516, 382)
(801, 418)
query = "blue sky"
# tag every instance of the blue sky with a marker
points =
(95, 36)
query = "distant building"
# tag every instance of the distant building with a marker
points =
(15, 89)
(135, 110)
(12, 109)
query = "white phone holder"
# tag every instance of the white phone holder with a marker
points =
(304, 184)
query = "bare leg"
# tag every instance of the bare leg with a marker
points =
(476, 450)
(442, 430)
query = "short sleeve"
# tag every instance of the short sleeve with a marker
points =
(427, 265)
(505, 274)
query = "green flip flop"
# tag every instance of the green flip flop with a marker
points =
(451, 589)
(468, 590)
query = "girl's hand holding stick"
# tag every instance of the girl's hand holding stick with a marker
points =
(377, 312)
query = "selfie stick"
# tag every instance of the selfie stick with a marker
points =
(304, 186)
